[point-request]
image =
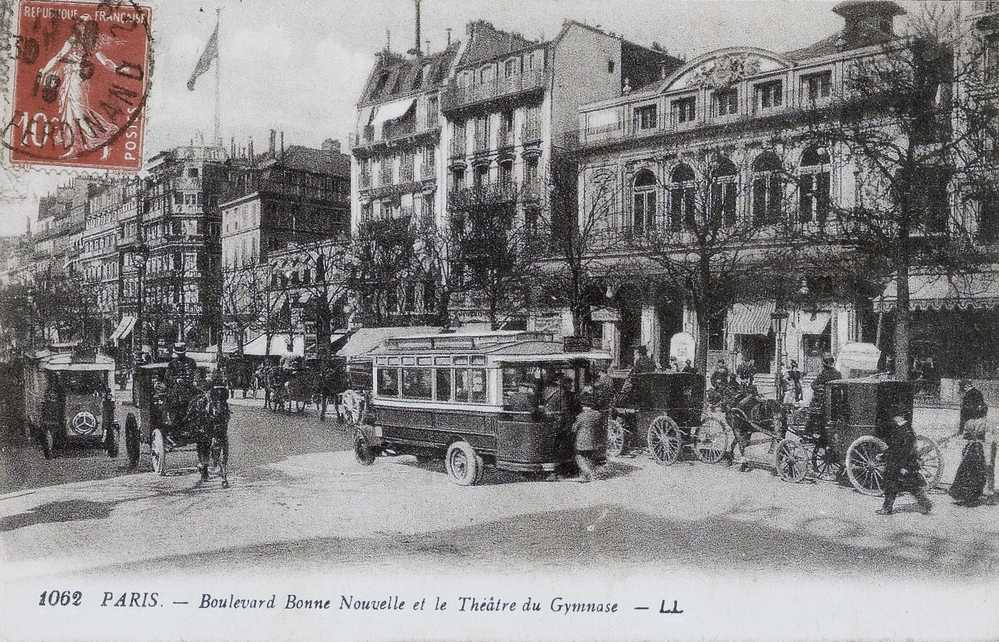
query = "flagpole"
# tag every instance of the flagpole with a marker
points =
(218, 78)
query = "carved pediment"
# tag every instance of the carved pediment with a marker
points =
(723, 68)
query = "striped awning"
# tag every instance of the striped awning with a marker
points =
(750, 318)
(945, 292)
(123, 329)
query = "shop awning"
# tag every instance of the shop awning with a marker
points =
(754, 318)
(943, 292)
(813, 322)
(123, 330)
(391, 111)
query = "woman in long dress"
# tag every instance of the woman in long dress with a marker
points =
(972, 474)
(82, 129)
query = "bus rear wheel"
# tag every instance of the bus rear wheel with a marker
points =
(463, 464)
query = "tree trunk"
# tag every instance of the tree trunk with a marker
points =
(701, 350)
(443, 305)
(902, 311)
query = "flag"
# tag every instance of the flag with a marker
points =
(210, 53)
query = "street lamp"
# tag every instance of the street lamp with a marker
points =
(139, 257)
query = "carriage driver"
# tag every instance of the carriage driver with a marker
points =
(181, 373)
(816, 408)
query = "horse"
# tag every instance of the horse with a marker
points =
(208, 418)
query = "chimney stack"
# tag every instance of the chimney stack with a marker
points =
(331, 145)
(448, 36)
(282, 144)
(273, 141)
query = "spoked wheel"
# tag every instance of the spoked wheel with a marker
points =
(930, 460)
(363, 452)
(791, 460)
(711, 440)
(615, 437)
(132, 440)
(825, 465)
(865, 464)
(664, 441)
(463, 464)
(158, 449)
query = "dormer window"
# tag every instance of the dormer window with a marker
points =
(769, 95)
(645, 117)
(511, 67)
(685, 109)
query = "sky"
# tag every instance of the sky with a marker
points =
(299, 66)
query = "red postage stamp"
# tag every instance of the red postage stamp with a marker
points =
(81, 79)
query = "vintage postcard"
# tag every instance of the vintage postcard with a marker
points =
(499, 320)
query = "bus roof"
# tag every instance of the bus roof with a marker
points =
(483, 342)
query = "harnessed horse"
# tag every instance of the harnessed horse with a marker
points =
(208, 419)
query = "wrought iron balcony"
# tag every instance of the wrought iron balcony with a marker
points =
(456, 97)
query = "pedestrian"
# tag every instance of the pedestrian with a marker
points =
(902, 462)
(603, 388)
(585, 435)
(972, 403)
(642, 361)
(794, 375)
(972, 474)
(719, 378)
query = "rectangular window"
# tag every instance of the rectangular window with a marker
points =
(443, 384)
(416, 383)
(991, 58)
(388, 382)
(431, 112)
(470, 385)
(511, 67)
(685, 109)
(769, 95)
(816, 86)
(727, 102)
(645, 117)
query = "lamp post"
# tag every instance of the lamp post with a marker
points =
(139, 257)
(779, 320)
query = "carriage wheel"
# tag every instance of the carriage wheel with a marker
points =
(463, 464)
(930, 460)
(48, 445)
(615, 437)
(132, 440)
(791, 460)
(711, 441)
(825, 465)
(664, 441)
(158, 449)
(865, 464)
(363, 452)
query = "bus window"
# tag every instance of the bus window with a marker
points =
(478, 385)
(443, 384)
(416, 383)
(461, 384)
(388, 382)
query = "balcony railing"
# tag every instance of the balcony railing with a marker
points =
(392, 132)
(486, 194)
(385, 176)
(481, 142)
(458, 147)
(456, 97)
(428, 171)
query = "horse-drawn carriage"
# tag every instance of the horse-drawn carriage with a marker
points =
(179, 418)
(841, 437)
(315, 382)
(666, 409)
(68, 398)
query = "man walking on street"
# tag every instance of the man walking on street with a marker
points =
(584, 430)
(902, 463)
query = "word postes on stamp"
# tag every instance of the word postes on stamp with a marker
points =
(81, 79)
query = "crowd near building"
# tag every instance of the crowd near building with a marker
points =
(654, 139)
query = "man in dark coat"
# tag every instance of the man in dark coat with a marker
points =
(972, 403)
(816, 408)
(902, 463)
(719, 378)
(689, 367)
(585, 430)
(603, 389)
(642, 361)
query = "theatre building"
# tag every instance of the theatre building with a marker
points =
(732, 114)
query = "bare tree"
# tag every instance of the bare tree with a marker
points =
(380, 262)
(916, 133)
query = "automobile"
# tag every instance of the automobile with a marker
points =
(68, 400)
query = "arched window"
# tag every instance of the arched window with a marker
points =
(767, 189)
(644, 200)
(813, 185)
(681, 197)
(724, 178)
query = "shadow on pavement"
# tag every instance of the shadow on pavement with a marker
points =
(740, 541)
(64, 511)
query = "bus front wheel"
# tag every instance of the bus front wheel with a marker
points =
(463, 464)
